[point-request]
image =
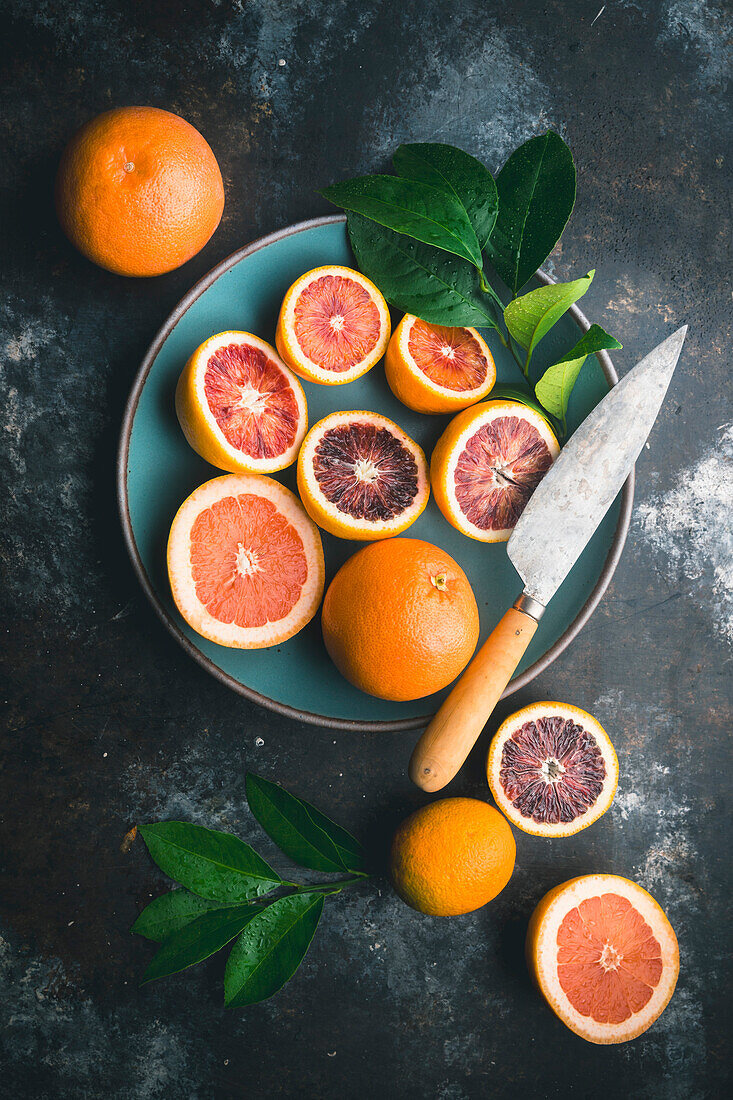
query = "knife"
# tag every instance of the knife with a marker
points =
(553, 530)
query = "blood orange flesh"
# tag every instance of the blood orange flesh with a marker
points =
(552, 769)
(252, 400)
(486, 465)
(365, 471)
(604, 956)
(449, 357)
(498, 470)
(361, 477)
(245, 562)
(333, 326)
(336, 323)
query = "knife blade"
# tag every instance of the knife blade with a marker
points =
(559, 519)
(580, 486)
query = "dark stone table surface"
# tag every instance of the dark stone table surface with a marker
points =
(108, 723)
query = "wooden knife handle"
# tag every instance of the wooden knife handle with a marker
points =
(453, 732)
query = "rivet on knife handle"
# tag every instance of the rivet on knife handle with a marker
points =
(451, 735)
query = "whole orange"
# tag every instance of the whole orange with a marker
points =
(400, 619)
(452, 856)
(139, 191)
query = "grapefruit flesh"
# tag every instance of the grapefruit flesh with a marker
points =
(245, 562)
(604, 956)
(361, 477)
(487, 464)
(334, 325)
(239, 406)
(437, 369)
(552, 769)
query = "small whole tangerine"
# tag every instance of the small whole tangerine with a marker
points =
(400, 619)
(452, 856)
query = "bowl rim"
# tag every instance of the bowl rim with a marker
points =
(325, 721)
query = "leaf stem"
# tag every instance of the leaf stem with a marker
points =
(328, 887)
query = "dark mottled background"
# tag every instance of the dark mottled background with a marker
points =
(108, 723)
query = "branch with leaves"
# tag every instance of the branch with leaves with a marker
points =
(426, 235)
(229, 893)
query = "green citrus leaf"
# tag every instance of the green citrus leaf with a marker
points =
(415, 209)
(531, 317)
(198, 940)
(556, 384)
(270, 949)
(287, 821)
(458, 174)
(536, 190)
(169, 913)
(514, 393)
(348, 847)
(215, 865)
(417, 279)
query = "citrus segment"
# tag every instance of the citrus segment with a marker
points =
(452, 856)
(604, 955)
(333, 326)
(361, 477)
(437, 369)
(245, 562)
(239, 406)
(552, 769)
(487, 464)
(400, 619)
(139, 191)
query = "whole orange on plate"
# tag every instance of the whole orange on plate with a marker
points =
(245, 562)
(486, 465)
(139, 191)
(239, 406)
(400, 619)
(334, 325)
(437, 369)
(604, 956)
(452, 856)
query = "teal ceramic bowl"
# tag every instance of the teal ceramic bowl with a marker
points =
(157, 470)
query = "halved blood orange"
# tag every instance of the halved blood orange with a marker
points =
(361, 477)
(436, 369)
(239, 406)
(552, 769)
(334, 325)
(604, 956)
(245, 562)
(486, 465)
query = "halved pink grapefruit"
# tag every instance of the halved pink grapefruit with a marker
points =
(245, 562)
(334, 325)
(437, 369)
(604, 956)
(361, 477)
(486, 465)
(239, 406)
